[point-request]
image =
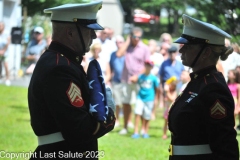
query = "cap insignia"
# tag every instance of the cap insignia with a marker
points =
(77, 58)
(195, 75)
(74, 19)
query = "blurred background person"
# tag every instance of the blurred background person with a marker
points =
(111, 34)
(232, 62)
(157, 60)
(4, 43)
(164, 50)
(164, 47)
(108, 46)
(182, 83)
(170, 90)
(165, 42)
(155, 57)
(236, 48)
(237, 72)
(234, 88)
(116, 66)
(35, 48)
(136, 53)
(166, 37)
(95, 50)
(170, 67)
(148, 84)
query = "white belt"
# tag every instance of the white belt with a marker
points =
(50, 138)
(189, 150)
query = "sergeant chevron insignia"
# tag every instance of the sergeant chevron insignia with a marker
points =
(74, 95)
(218, 111)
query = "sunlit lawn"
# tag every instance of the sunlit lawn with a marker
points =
(16, 134)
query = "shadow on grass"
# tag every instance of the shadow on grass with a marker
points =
(23, 120)
(20, 108)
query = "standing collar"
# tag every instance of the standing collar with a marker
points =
(67, 52)
(203, 72)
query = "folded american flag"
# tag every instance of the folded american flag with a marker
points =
(98, 102)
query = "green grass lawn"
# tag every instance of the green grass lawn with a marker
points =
(16, 134)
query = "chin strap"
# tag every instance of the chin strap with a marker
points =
(198, 55)
(81, 38)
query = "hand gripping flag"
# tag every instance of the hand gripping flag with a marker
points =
(98, 103)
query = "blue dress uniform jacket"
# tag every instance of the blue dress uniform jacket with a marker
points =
(204, 114)
(57, 76)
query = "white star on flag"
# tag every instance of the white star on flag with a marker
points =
(90, 84)
(102, 79)
(101, 95)
(92, 108)
(106, 110)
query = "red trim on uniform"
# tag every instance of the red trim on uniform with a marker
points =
(57, 58)
(68, 61)
(205, 80)
(111, 124)
(215, 78)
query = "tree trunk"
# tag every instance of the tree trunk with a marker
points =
(175, 23)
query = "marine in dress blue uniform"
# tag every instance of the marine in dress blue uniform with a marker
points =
(59, 94)
(201, 119)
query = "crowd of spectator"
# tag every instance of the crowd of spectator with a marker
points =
(124, 61)
(127, 66)
(127, 59)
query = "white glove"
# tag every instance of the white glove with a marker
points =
(110, 100)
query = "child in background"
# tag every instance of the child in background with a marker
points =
(170, 89)
(184, 79)
(94, 53)
(234, 87)
(237, 71)
(148, 84)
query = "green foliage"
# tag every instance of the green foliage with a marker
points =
(222, 13)
(37, 6)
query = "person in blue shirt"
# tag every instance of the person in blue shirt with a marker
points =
(171, 66)
(148, 84)
(116, 66)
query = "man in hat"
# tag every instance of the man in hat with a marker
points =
(135, 52)
(201, 119)
(59, 92)
(35, 48)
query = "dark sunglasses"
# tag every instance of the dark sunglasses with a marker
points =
(135, 37)
(37, 33)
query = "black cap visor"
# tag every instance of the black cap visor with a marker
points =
(186, 39)
(181, 40)
(94, 26)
